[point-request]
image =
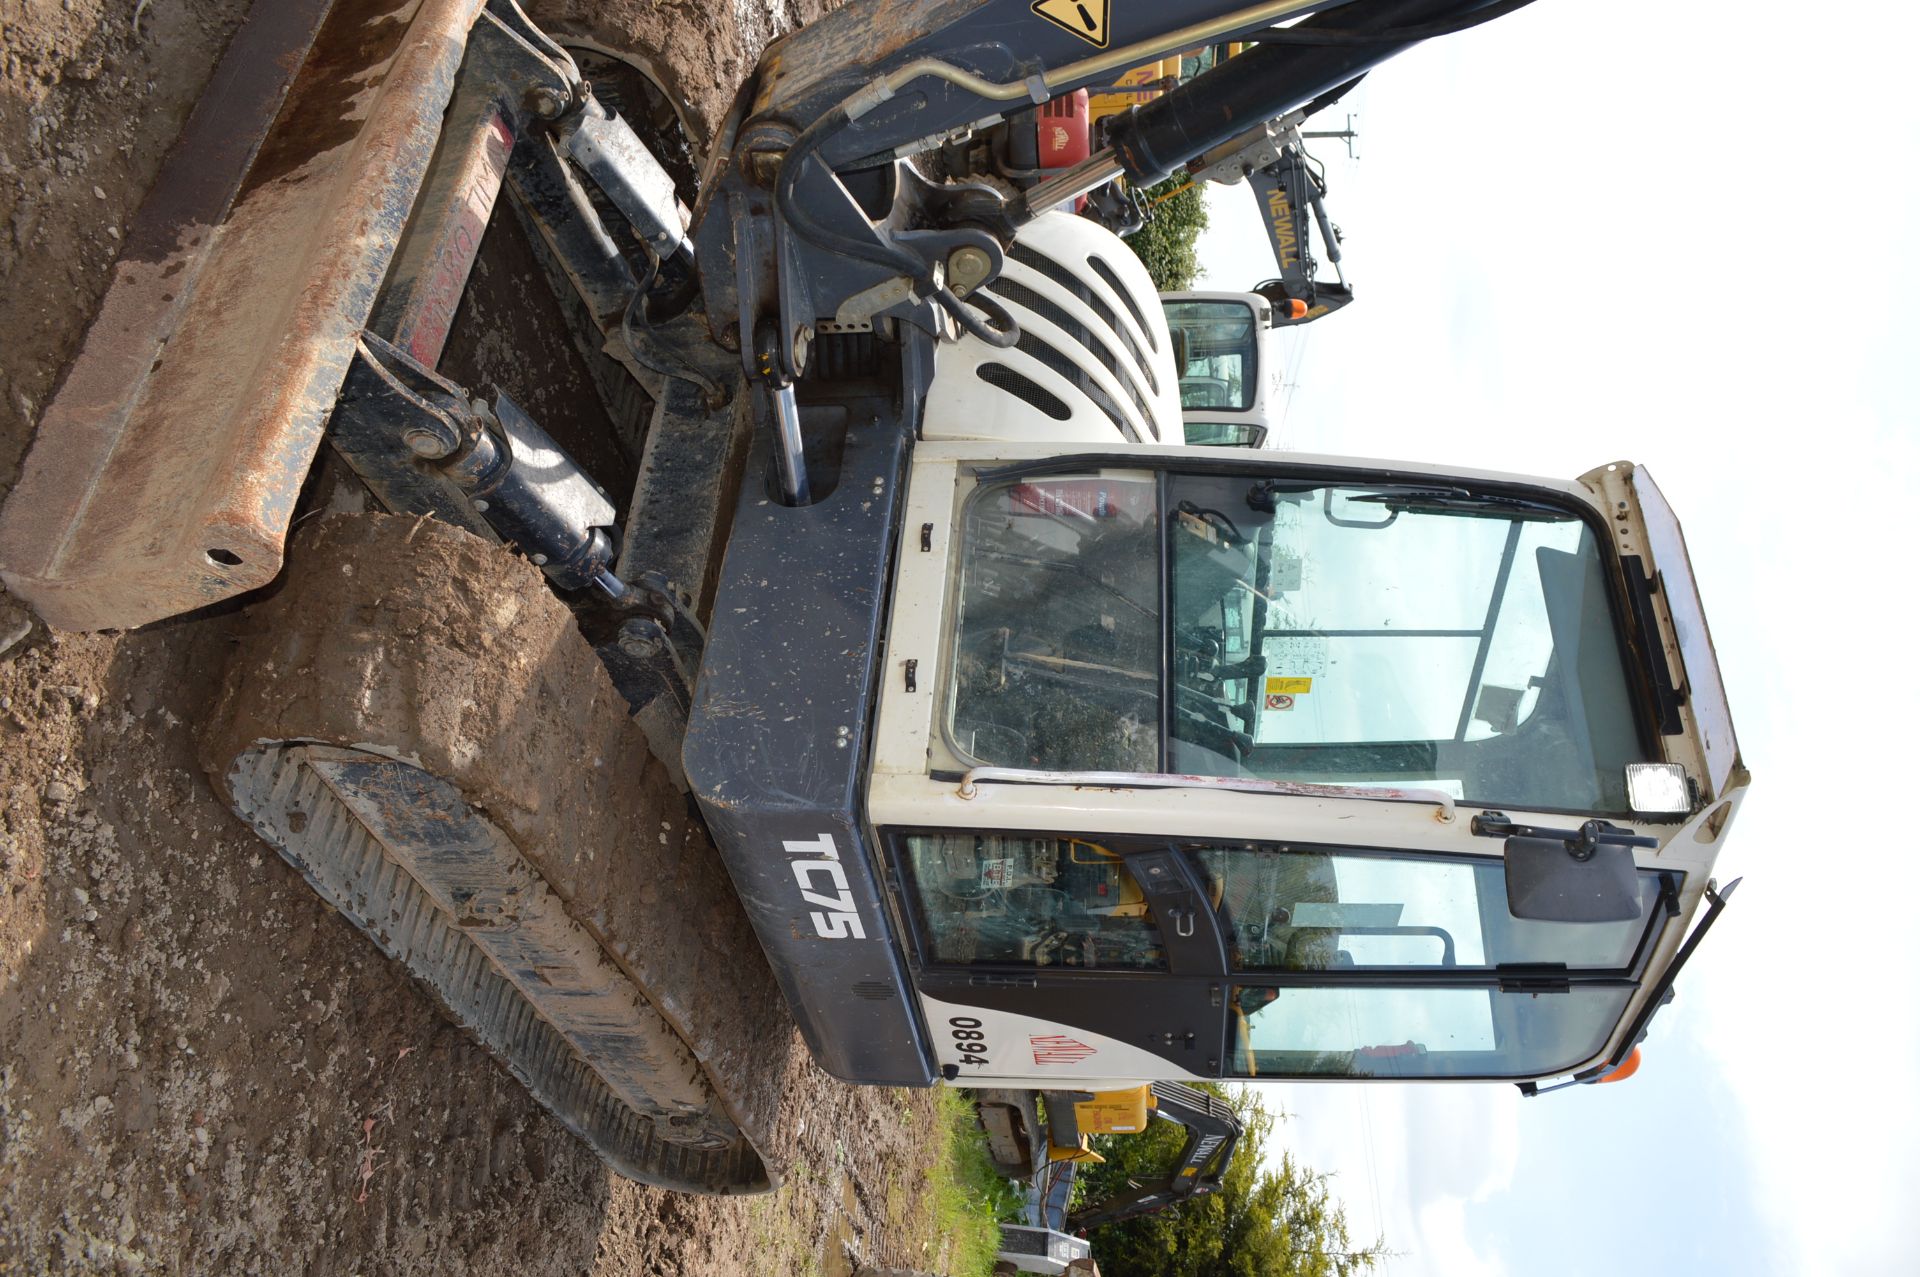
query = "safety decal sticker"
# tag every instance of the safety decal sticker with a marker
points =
(1085, 18)
(1291, 686)
(1056, 1048)
(1279, 700)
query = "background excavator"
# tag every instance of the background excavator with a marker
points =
(1047, 1147)
(792, 472)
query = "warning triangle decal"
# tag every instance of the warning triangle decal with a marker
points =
(1085, 18)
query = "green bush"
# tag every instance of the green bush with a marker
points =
(1272, 1217)
(1166, 242)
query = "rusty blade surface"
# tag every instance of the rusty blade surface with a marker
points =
(166, 468)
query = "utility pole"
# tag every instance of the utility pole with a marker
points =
(1347, 135)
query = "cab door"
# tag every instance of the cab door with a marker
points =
(1053, 954)
(1057, 958)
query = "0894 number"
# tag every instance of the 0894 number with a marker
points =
(968, 1040)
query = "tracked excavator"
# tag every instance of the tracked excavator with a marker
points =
(1226, 344)
(1022, 1140)
(1034, 749)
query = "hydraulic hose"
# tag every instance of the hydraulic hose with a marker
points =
(1000, 329)
(807, 227)
(1292, 66)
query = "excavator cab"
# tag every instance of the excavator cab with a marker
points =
(1227, 362)
(1215, 768)
(1219, 339)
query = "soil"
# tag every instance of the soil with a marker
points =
(202, 1068)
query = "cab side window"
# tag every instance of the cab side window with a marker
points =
(1057, 654)
(1031, 901)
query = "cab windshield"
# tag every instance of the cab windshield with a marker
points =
(1221, 359)
(1385, 635)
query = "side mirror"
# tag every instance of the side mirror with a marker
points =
(1545, 883)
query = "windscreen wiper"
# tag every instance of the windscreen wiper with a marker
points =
(1266, 495)
(1461, 501)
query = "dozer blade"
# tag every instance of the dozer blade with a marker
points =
(166, 468)
(417, 725)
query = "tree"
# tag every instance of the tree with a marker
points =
(1272, 1217)
(1166, 242)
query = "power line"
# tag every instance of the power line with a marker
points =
(1290, 379)
(1373, 1165)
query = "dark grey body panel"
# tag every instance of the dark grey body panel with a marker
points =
(776, 744)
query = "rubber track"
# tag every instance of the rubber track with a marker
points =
(281, 787)
(442, 759)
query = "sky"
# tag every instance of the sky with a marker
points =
(1689, 237)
